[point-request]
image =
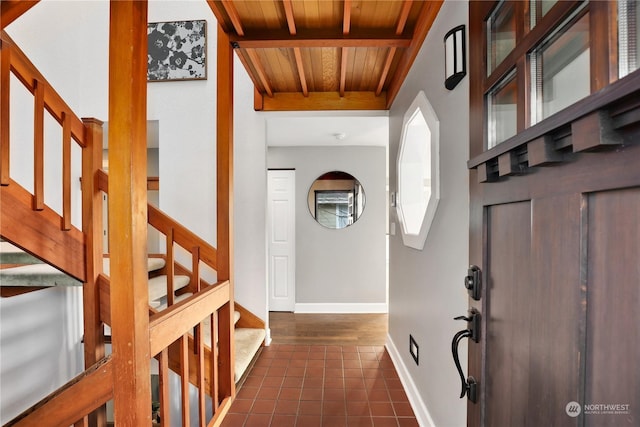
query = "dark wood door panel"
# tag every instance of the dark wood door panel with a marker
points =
(556, 309)
(508, 305)
(535, 306)
(613, 314)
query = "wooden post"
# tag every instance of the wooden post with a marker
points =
(128, 212)
(94, 349)
(224, 111)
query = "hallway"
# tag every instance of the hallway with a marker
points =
(323, 383)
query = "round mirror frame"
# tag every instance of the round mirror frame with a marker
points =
(343, 192)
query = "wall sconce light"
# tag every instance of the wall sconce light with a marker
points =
(454, 57)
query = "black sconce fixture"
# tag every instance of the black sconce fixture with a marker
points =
(454, 57)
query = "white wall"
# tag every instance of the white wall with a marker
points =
(426, 287)
(338, 270)
(40, 346)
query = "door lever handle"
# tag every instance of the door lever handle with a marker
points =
(469, 385)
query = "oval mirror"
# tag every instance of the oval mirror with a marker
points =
(336, 199)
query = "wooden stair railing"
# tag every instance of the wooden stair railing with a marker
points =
(170, 329)
(31, 225)
(70, 403)
(41, 231)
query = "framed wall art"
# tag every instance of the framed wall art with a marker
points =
(177, 51)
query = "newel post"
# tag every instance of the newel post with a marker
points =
(94, 347)
(128, 212)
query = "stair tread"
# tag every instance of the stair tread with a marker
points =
(10, 254)
(153, 264)
(158, 285)
(36, 275)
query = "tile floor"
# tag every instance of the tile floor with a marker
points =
(318, 385)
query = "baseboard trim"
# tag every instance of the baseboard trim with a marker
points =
(419, 408)
(341, 308)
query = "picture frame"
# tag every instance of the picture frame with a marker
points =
(177, 50)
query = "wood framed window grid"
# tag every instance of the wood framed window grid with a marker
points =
(532, 24)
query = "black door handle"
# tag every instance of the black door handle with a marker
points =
(469, 385)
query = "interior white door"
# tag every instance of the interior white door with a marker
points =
(281, 234)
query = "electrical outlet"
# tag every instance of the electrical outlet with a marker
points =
(414, 349)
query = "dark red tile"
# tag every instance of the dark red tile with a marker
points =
(314, 372)
(311, 393)
(247, 392)
(334, 408)
(292, 382)
(299, 355)
(263, 406)
(398, 395)
(310, 407)
(385, 422)
(334, 421)
(403, 409)
(396, 384)
(352, 364)
(283, 420)
(333, 355)
(333, 382)
(333, 363)
(269, 393)
(276, 371)
(275, 381)
(359, 422)
(298, 363)
(381, 409)
(258, 420)
(356, 394)
(350, 356)
(234, 420)
(315, 382)
(408, 422)
(358, 408)
(379, 395)
(290, 393)
(354, 382)
(280, 362)
(315, 363)
(241, 406)
(308, 421)
(295, 372)
(286, 407)
(284, 355)
(334, 394)
(253, 381)
(353, 373)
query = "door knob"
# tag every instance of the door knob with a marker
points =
(469, 385)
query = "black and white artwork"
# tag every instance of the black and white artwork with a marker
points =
(177, 51)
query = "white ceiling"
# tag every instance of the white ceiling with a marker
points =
(348, 129)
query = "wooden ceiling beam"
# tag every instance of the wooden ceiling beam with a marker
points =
(262, 75)
(288, 12)
(232, 12)
(303, 79)
(402, 21)
(220, 13)
(323, 101)
(10, 10)
(297, 54)
(344, 54)
(428, 14)
(275, 40)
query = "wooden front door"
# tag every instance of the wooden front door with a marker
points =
(555, 231)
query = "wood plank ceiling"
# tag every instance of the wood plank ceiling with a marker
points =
(326, 54)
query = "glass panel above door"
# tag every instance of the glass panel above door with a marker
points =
(628, 36)
(560, 68)
(501, 34)
(502, 110)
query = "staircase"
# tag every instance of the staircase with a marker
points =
(194, 328)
